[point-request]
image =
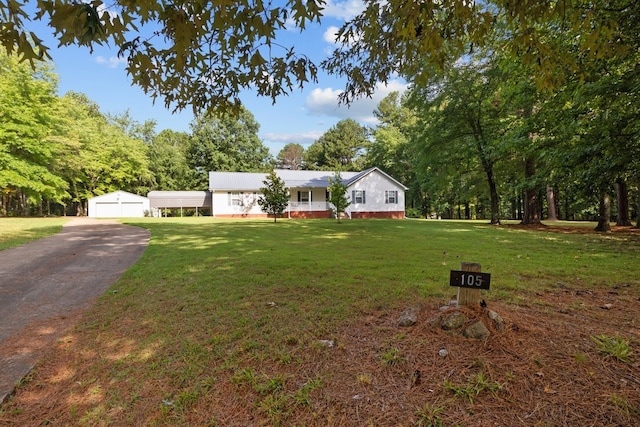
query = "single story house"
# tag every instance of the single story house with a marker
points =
(119, 204)
(372, 193)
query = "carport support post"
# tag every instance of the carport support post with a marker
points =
(467, 296)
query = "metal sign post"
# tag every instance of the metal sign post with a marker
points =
(469, 282)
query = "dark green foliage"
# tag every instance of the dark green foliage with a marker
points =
(341, 147)
(225, 142)
(275, 197)
(338, 195)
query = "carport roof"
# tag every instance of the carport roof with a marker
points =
(179, 199)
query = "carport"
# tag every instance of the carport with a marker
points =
(179, 200)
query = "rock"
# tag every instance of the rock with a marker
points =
(476, 330)
(453, 320)
(328, 343)
(435, 322)
(443, 352)
(497, 320)
(409, 317)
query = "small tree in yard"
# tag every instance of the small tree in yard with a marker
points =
(274, 197)
(338, 195)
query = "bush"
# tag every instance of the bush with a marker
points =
(412, 213)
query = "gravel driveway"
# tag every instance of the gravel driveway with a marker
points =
(46, 284)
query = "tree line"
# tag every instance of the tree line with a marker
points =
(523, 110)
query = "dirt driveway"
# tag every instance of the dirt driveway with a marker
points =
(45, 285)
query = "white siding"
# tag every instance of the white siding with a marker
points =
(374, 185)
(249, 204)
(119, 204)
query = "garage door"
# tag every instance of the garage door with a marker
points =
(132, 209)
(107, 209)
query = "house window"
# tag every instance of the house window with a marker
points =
(358, 196)
(391, 197)
(304, 196)
(234, 199)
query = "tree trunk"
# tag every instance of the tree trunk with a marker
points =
(638, 210)
(551, 204)
(495, 200)
(531, 204)
(604, 217)
(622, 201)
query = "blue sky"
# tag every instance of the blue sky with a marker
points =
(301, 117)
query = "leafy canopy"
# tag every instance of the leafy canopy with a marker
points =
(202, 54)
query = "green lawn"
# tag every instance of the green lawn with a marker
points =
(222, 302)
(17, 231)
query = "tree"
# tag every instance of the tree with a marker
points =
(341, 147)
(225, 142)
(97, 157)
(27, 152)
(168, 162)
(462, 117)
(291, 157)
(187, 53)
(338, 195)
(422, 38)
(275, 196)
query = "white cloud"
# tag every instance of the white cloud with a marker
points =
(324, 102)
(111, 62)
(343, 10)
(302, 138)
(330, 34)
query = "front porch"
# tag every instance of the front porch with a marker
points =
(308, 210)
(308, 203)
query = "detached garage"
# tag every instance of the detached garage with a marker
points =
(118, 204)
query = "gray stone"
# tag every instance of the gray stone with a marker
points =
(409, 317)
(435, 322)
(453, 320)
(476, 330)
(497, 320)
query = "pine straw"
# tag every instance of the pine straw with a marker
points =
(545, 363)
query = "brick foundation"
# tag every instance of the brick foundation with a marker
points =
(387, 215)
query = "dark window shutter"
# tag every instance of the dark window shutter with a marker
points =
(299, 197)
(363, 198)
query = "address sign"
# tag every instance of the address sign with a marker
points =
(469, 279)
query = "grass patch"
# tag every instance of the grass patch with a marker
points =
(18, 231)
(430, 415)
(615, 347)
(475, 385)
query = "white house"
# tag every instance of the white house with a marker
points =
(372, 193)
(118, 204)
